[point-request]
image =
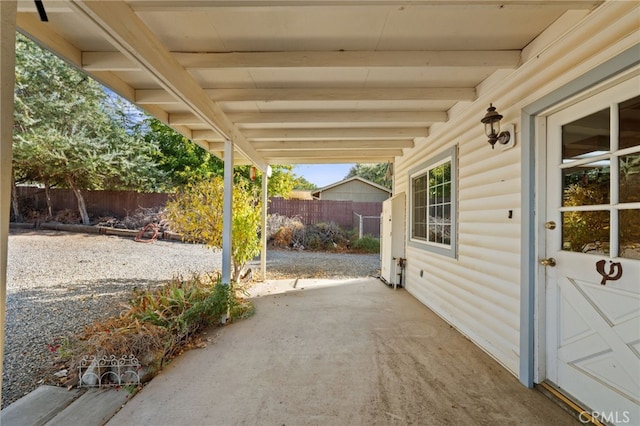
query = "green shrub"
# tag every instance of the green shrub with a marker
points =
(186, 307)
(196, 213)
(367, 244)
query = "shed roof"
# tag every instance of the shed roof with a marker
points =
(317, 192)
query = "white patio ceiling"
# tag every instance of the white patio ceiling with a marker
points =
(300, 81)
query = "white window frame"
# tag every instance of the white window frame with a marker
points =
(449, 250)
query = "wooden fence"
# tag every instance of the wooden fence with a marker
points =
(122, 203)
(340, 212)
(99, 203)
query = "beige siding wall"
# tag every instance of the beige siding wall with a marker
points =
(354, 191)
(479, 292)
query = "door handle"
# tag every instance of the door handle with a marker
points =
(550, 261)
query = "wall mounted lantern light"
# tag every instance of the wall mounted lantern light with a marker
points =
(491, 122)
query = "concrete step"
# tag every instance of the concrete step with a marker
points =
(51, 405)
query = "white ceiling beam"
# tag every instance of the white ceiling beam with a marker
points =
(346, 94)
(350, 59)
(319, 59)
(125, 30)
(185, 119)
(206, 135)
(358, 157)
(386, 153)
(213, 147)
(370, 133)
(51, 6)
(189, 119)
(107, 61)
(159, 96)
(154, 97)
(338, 117)
(195, 5)
(332, 145)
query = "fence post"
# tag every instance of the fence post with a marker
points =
(360, 224)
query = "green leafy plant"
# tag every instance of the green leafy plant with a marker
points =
(183, 307)
(367, 244)
(196, 213)
(379, 173)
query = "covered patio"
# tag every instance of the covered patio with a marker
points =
(405, 82)
(336, 353)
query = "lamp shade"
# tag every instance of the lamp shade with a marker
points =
(491, 122)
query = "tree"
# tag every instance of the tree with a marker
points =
(280, 183)
(196, 213)
(182, 160)
(302, 183)
(378, 173)
(67, 133)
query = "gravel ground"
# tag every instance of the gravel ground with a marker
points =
(59, 282)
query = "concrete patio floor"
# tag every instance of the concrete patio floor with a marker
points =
(338, 353)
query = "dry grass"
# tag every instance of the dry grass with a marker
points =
(285, 232)
(158, 325)
(140, 218)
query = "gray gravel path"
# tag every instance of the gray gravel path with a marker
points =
(59, 282)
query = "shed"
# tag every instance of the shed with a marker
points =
(353, 189)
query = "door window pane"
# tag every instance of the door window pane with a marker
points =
(586, 232)
(586, 185)
(629, 122)
(630, 234)
(630, 178)
(586, 137)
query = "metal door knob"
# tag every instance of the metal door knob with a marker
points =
(548, 262)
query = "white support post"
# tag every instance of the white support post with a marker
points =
(265, 206)
(8, 11)
(227, 212)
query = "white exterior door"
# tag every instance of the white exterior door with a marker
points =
(592, 263)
